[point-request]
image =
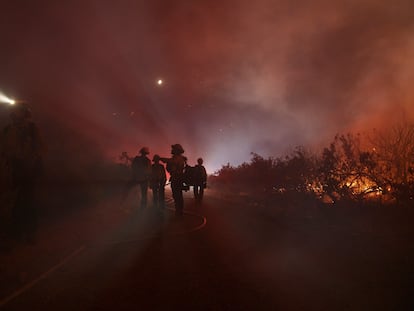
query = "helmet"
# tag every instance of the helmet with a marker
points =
(144, 151)
(156, 157)
(177, 149)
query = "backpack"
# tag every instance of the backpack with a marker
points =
(189, 174)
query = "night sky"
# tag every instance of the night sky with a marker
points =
(239, 76)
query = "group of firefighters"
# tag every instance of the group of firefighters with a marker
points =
(21, 153)
(154, 176)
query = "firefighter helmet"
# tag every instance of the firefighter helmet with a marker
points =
(177, 149)
(144, 151)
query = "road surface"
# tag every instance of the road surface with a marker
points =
(227, 254)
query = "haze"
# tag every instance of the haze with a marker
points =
(238, 76)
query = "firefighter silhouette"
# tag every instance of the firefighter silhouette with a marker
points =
(22, 149)
(141, 174)
(175, 166)
(199, 180)
(157, 183)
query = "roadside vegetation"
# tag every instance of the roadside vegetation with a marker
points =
(353, 170)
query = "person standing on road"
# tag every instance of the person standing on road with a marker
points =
(175, 166)
(158, 179)
(200, 180)
(141, 173)
(22, 148)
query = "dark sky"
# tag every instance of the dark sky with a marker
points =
(240, 76)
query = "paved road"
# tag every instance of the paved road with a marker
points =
(241, 260)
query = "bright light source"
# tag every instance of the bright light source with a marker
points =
(160, 82)
(7, 100)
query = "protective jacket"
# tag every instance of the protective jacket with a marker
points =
(141, 169)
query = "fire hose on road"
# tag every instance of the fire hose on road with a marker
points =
(29, 285)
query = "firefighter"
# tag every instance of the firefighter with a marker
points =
(141, 173)
(22, 148)
(175, 166)
(200, 180)
(158, 179)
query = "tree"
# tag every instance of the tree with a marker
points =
(346, 170)
(394, 153)
(125, 159)
(297, 171)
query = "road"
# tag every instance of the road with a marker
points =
(223, 255)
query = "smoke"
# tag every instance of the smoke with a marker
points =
(239, 76)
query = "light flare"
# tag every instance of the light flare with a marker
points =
(7, 100)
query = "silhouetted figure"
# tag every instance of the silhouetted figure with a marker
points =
(22, 148)
(199, 180)
(141, 173)
(175, 166)
(158, 179)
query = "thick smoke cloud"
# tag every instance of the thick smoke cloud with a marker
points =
(240, 76)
